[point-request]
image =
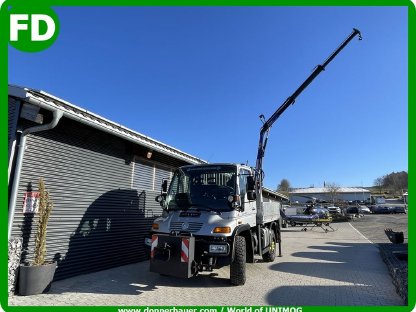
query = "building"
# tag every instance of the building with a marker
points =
(345, 194)
(102, 177)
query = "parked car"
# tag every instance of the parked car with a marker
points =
(399, 209)
(333, 209)
(372, 208)
(365, 210)
(383, 209)
(352, 212)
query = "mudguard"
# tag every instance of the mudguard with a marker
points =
(244, 230)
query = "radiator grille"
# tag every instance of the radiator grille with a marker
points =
(185, 226)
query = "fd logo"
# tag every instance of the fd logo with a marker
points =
(32, 29)
(19, 22)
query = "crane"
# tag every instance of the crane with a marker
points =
(267, 124)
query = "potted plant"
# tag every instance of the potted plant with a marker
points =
(36, 277)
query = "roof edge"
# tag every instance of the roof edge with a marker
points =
(75, 112)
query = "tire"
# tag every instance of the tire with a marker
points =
(238, 265)
(271, 254)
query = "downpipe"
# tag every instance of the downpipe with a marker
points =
(57, 114)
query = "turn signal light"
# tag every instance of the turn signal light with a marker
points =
(155, 226)
(222, 229)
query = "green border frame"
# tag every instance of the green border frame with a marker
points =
(3, 124)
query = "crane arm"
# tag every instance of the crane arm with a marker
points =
(291, 100)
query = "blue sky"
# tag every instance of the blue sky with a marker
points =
(197, 78)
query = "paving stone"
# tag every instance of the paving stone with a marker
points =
(317, 269)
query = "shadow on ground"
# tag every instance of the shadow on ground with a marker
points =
(326, 296)
(334, 263)
(132, 279)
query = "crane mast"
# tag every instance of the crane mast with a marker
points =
(264, 131)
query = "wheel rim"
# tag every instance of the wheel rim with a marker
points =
(273, 246)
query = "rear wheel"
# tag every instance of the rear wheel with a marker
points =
(238, 265)
(270, 255)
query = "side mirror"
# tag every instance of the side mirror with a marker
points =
(251, 192)
(163, 193)
(251, 183)
(164, 186)
(159, 198)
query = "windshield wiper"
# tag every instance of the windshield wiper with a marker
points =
(200, 207)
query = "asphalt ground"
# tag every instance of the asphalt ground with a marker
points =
(372, 226)
(340, 268)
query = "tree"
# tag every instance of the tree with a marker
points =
(333, 190)
(395, 181)
(379, 183)
(284, 187)
(45, 209)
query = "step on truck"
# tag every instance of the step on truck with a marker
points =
(215, 215)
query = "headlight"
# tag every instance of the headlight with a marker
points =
(218, 248)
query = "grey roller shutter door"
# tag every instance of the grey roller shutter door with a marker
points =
(161, 173)
(98, 220)
(147, 178)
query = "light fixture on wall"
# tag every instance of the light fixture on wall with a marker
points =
(149, 154)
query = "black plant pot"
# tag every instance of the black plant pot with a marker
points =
(35, 279)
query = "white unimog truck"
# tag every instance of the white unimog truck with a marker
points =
(214, 215)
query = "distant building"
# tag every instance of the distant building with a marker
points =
(303, 195)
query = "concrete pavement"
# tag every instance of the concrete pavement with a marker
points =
(317, 268)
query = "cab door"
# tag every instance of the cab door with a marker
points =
(248, 213)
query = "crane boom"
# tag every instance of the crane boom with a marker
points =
(264, 132)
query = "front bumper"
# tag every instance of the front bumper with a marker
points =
(184, 255)
(172, 255)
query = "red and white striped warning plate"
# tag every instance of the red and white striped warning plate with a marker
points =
(185, 250)
(154, 244)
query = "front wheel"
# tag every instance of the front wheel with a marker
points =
(238, 265)
(270, 255)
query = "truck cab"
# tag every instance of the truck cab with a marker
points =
(216, 191)
(207, 209)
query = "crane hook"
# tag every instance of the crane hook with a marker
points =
(359, 33)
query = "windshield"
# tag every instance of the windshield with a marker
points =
(204, 188)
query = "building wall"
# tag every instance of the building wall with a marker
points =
(101, 214)
(303, 198)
